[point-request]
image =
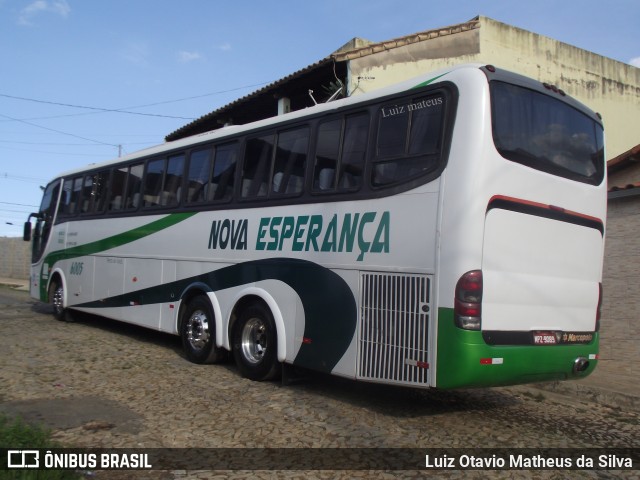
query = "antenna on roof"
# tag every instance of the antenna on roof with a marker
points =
(311, 95)
(338, 83)
(335, 94)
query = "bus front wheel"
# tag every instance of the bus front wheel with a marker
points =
(56, 299)
(198, 332)
(255, 343)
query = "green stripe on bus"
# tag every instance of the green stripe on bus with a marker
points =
(111, 242)
(460, 352)
(431, 80)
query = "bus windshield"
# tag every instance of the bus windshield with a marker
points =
(547, 134)
(45, 219)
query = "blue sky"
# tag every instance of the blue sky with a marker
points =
(168, 62)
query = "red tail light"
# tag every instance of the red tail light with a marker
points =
(468, 301)
(599, 310)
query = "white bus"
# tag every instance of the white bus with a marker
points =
(444, 232)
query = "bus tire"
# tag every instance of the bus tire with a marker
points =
(198, 332)
(56, 299)
(255, 343)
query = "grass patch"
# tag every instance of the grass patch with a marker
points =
(16, 434)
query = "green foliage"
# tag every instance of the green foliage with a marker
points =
(16, 434)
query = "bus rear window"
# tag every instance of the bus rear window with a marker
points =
(547, 134)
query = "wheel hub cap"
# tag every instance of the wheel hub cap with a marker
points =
(198, 330)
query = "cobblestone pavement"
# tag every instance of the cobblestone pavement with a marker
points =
(98, 383)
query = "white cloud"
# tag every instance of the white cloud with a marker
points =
(225, 47)
(136, 53)
(61, 7)
(635, 62)
(57, 7)
(186, 57)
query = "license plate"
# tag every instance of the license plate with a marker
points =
(544, 338)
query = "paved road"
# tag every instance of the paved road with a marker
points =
(98, 383)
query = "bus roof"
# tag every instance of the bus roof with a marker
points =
(228, 131)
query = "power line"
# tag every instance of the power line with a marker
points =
(98, 109)
(200, 96)
(105, 135)
(126, 110)
(76, 154)
(14, 211)
(57, 131)
(57, 144)
(21, 178)
(19, 204)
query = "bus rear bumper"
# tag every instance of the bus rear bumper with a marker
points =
(466, 360)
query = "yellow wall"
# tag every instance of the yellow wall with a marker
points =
(607, 86)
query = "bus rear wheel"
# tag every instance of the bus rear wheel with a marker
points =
(198, 332)
(255, 343)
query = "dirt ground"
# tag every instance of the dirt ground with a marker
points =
(97, 383)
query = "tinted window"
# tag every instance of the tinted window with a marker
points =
(257, 166)
(87, 187)
(153, 183)
(341, 150)
(291, 156)
(224, 168)
(71, 195)
(409, 139)
(354, 150)
(327, 154)
(198, 175)
(99, 191)
(547, 134)
(134, 186)
(172, 185)
(40, 234)
(118, 185)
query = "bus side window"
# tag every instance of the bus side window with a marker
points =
(87, 187)
(222, 176)
(257, 166)
(340, 153)
(291, 157)
(72, 194)
(327, 152)
(354, 149)
(153, 183)
(99, 191)
(134, 184)
(171, 188)
(408, 141)
(66, 196)
(198, 175)
(118, 185)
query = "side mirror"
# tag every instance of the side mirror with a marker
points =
(26, 234)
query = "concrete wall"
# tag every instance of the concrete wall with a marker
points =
(620, 328)
(15, 258)
(607, 86)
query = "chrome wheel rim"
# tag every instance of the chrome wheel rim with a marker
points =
(254, 340)
(198, 330)
(58, 300)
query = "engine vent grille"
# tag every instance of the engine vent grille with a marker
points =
(393, 331)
